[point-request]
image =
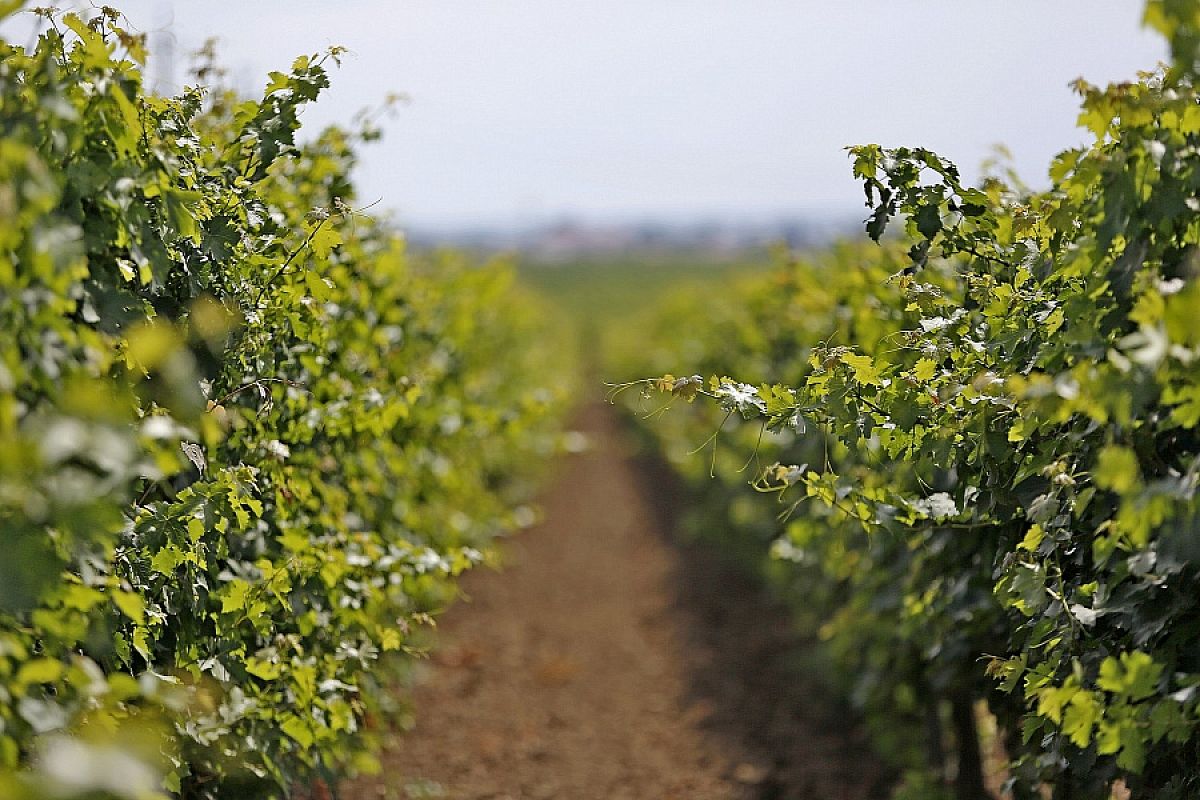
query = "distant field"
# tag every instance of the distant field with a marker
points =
(601, 291)
(603, 298)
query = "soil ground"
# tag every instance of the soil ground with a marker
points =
(608, 661)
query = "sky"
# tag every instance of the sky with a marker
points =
(523, 111)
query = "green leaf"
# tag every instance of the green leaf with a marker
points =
(1181, 313)
(1033, 538)
(1134, 675)
(929, 220)
(79, 27)
(924, 369)
(1132, 755)
(1052, 700)
(317, 287)
(777, 399)
(182, 210)
(131, 605)
(865, 371)
(267, 670)
(126, 137)
(1117, 469)
(324, 240)
(166, 560)
(233, 596)
(82, 598)
(39, 670)
(299, 730)
(1080, 717)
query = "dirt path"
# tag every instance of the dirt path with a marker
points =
(605, 662)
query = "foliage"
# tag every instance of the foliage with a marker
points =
(246, 440)
(992, 456)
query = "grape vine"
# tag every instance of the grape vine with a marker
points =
(246, 440)
(988, 450)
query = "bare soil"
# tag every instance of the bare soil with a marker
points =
(608, 661)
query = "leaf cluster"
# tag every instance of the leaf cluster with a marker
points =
(987, 436)
(246, 440)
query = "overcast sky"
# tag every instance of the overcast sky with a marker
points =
(530, 109)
